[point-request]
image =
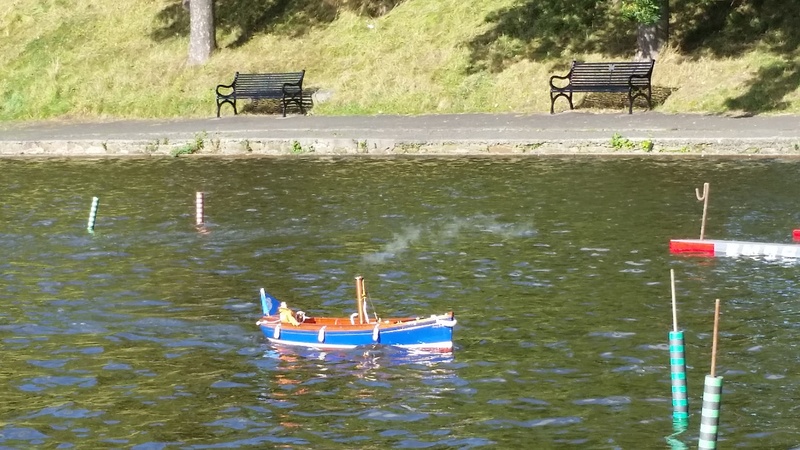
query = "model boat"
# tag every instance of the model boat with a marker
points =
(282, 326)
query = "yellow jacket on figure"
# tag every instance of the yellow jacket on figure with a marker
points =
(287, 316)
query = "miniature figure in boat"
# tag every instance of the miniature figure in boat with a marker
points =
(286, 314)
(280, 326)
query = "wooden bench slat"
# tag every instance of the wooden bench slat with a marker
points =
(286, 87)
(633, 77)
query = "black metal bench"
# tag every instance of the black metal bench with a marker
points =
(286, 87)
(631, 77)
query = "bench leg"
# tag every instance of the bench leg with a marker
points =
(297, 101)
(648, 95)
(228, 101)
(553, 99)
(630, 103)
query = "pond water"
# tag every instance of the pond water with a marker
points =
(142, 334)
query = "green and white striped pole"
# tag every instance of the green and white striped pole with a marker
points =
(92, 214)
(677, 364)
(712, 396)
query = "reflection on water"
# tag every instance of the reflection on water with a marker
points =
(679, 428)
(142, 335)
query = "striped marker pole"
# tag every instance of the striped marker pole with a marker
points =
(709, 422)
(92, 214)
(712, 396)
(677, 364)
(199, 215)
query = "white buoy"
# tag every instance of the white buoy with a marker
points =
(92, 214)
(199, 215)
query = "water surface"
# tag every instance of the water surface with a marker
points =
(142, 335)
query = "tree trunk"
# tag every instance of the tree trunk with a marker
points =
(202, 38)
(662, 27)
(647, 41)
(653, 37)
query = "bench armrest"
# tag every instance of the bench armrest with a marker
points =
(637, 75)
(224, 86)
(559, 77)
(292, 88)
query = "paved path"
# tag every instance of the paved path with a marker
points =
(570, 132)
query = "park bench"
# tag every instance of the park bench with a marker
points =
(286, 87)
(631, 77)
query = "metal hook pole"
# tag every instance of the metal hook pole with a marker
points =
(704, 199)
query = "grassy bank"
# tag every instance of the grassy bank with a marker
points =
(93, 59)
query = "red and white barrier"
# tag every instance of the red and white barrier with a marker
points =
(713, 247)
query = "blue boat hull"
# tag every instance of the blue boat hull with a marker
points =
(434, 333)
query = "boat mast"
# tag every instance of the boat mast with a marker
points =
(360, 297)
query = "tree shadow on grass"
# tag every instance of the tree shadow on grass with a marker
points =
(551, 30)
(729, 29)
(768, 88)
(547, 30)
(616, 101)
(272, 106)
(247, 18)
(275, 107)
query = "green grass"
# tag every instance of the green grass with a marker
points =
(101, 59)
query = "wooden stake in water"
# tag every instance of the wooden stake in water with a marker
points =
(360, 295)
(712, 396)
(92, 214)
(704, 199)
(714, 340)
(199, 214)
(674, 307)
(677, 364)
